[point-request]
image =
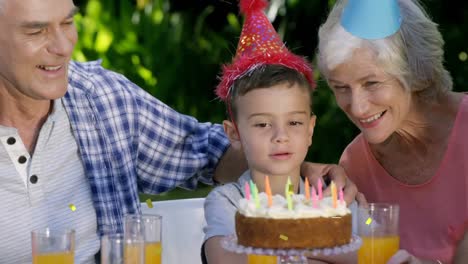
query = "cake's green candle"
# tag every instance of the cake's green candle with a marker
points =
(288, 192)
(255, 196)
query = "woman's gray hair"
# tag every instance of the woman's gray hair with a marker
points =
(414, 55)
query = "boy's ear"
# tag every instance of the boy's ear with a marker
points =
(313, 118)
(231, 132)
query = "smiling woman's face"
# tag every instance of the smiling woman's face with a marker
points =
(372, 99)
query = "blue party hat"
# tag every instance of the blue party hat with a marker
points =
(371, 19)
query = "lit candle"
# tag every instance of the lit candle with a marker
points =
(341, 195)
(307, 192)
(287, 192)
(333, 192)
(251, 187)
(255, 196)
(268, 190)
(319, 188)
(314, 198)
(289, 201)
(247, 191)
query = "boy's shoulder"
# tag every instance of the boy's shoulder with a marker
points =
(230, 191)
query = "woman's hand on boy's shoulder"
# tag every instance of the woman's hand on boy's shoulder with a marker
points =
(328, 172)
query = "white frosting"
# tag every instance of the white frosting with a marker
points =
(302, 208)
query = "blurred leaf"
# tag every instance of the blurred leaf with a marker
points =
(103, 40)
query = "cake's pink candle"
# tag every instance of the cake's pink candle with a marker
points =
(341, 195)
(319, 188)
(307, 192)
(247, 191)
(314, 197)
(268, 190)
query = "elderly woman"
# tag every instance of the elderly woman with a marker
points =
(412, 149)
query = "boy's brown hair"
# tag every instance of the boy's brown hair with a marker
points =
(264, 77)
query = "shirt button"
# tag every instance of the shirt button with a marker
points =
(33, 179)
(11, 140)
(22, 159)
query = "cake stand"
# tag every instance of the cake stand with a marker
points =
(291, 255)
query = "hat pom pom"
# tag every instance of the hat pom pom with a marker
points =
(250, 6)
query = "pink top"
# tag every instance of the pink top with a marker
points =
(431, 214)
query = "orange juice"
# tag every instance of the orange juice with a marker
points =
(132, 254)
(54, 258)
(259, 259)
(378, 249)
(153, 252)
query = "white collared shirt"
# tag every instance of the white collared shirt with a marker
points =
(40, 191)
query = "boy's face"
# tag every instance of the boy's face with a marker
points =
(275, 127)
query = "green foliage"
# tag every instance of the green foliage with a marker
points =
(171, 54)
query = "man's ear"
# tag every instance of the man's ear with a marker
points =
(313, 118)
(231, 132)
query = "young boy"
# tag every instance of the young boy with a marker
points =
(273, 124)
(267, 91)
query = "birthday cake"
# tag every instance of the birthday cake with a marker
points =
(301, 222)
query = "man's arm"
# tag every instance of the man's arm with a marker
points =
(231, 165)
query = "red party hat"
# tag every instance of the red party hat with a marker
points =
(259, 44)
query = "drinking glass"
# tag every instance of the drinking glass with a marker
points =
(152, 230)
(149, 226)
(261, 259)
(112, 249)
(53, 246)
(378, 228)
(283, 259)
(118, 249)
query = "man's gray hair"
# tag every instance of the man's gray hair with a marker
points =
(414, 55)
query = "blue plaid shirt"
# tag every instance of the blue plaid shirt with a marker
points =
(130, 142)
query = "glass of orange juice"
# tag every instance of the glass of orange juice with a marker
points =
(261, 259)
(118, 249)
(150, 226)
(378, 228)
(152, 229)
(53, 246)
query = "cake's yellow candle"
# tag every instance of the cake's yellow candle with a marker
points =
(334, 194)
(286, 189)
(307, 191)
(268, 190)
(289, 200)
(287, 194)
